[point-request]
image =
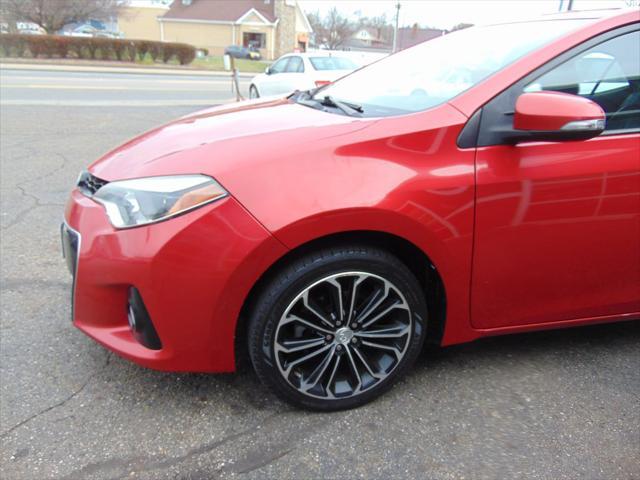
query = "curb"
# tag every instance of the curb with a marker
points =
(114, 69)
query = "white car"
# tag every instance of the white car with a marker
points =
(300, 71)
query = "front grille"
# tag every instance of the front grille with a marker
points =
(89, 184)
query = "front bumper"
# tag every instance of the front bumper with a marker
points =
(193, 273)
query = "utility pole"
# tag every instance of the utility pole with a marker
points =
(395, 30)
(570, 6)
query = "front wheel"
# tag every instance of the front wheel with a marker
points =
(337, 328)
(253, 92)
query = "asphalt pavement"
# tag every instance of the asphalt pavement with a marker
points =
(550, 405)
(111, 89)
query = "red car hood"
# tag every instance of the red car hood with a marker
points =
(221, 138)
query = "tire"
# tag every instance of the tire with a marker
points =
(313, 356)
(253, 92)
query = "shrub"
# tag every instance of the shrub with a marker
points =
(156, 50)
(61, 46)
(92, 48)
(120, 49)
(167, 52)
(184, 53)
(142, 48)
(13, 44)
(39, 46)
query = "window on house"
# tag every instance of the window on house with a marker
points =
(258, 40)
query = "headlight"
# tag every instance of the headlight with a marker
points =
(131, 203)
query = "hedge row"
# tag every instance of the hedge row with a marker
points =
(16, 45)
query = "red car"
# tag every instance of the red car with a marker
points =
(483, 183)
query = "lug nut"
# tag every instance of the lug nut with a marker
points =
(329, 338)
(338, 323)
(339, 348)
(354, 340)
(354, 326)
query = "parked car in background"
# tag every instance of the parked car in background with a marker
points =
(462, 188)
(86, 30)
(28, 28)
(81, 31)
(238, 51)
(300, 71)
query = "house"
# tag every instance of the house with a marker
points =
(368, 38)
(138, 19)
(275, 27)
(410, 36)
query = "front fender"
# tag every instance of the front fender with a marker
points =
(449, 250)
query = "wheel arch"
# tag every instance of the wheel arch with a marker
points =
(410, 254)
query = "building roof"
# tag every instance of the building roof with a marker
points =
(220, 10)
(410, 36)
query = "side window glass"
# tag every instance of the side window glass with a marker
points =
(279, 66)
(295, 65)
(608, 74)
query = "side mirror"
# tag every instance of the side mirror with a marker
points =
(267, 71)
(555, 116)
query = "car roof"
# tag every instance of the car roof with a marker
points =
(316, 54)
(595, 15)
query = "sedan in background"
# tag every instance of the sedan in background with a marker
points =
(238, 51)
(300, 71)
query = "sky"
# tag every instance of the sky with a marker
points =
(447, 13)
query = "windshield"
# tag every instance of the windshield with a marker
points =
(434, 72)
(332, 63)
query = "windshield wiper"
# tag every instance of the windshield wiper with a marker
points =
(348, 108)
(307, 98)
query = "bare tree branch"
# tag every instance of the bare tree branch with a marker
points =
(52, 15)
(333, 30)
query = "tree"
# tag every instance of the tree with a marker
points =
(52, 15)
(381, 26)
(332, 30)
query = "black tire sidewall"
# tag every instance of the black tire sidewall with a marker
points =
(286, 286)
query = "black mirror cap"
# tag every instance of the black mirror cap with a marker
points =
(521, 136)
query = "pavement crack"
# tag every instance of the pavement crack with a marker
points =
(143, 464)
(47, 174)
(264, 461)
(37, 201)
(17, 284)
(61, 402)
(23, 213)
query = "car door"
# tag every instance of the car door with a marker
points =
(295, 78)
(557, 232)
(271, 83)
(285, 81)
